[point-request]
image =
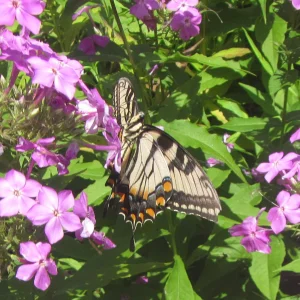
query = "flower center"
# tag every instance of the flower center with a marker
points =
(17, 193)
(252, 234)
(54, 71)
(15, 3)
(56, 213)
(187, 22)
(42, 263)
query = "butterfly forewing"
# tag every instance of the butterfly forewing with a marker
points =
(124, 102)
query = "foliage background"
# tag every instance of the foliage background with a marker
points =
(239, 76)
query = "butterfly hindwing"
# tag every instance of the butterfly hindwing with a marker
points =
(145, 180)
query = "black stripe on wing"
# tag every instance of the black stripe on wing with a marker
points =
(124, 102)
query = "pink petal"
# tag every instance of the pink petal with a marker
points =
(264, 167)
(9, 206)
(30, 251)
(80, 206)
(48, 198)
(254, 244)
(44, 249)
(5, 188)
(264, 235)
(248, 226)
(296, 135)
(34, 7)
(274, 157)
(8, 14)
(54, 230)
(277, 219)
(282, 198)
(70, 221)
(66, 88)
(26, 272)
(42, 279)
(290, 156)
(28, 21)
(87, 228)
(44, 77)
(25, 204)
(39, 214)
(16, 179)
(292, 215)
(51, 267)
(293, 202)
(46, 141)
(31, 188)
(271, 175)
(65, 200)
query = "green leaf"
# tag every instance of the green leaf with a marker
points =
(271, 36)
(191, 135)
(244, 125)
(263, 6)
(264, 267)
(293, 266)
(178, 286)
(233, 52)
(233, 107)
(262, 99)
(217, 176)
(264, 63)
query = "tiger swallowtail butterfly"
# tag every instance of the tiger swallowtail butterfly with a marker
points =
(156, 171)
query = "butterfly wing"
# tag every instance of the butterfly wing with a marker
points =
(124, 102)
(144, 184)
(193, 193)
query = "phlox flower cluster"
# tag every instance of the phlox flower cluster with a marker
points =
(185, 17)
(286, 169)
(56, 79)
(59, 212)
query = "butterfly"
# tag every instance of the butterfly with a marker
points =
(156, 171)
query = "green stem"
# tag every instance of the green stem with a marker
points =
(286, 92)
(131, 59)
(172, 231)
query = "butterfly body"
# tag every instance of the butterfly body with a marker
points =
(156, 171)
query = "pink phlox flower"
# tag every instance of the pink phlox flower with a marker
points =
(88, 44)
(277, 163)
(296, 4)
(255, 238)
(186, 22)
(86, 213)
(23, 11)
(295, 169)
(229, 146)
(17, 193)
(182, 5)
(92, 111)
(111, 134)
(61, 74)
(142, 7)
(36, 264)
(288, 209)
(211, 162)
(52, 210)
(100, 239)
(296, 135)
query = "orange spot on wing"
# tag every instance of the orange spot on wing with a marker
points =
(150, 212)
(133, 217)
(145, 195)
(142, 217)
(133, 191)
(168, 186)
(122, 197)
(125, 210)
(160, 201)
